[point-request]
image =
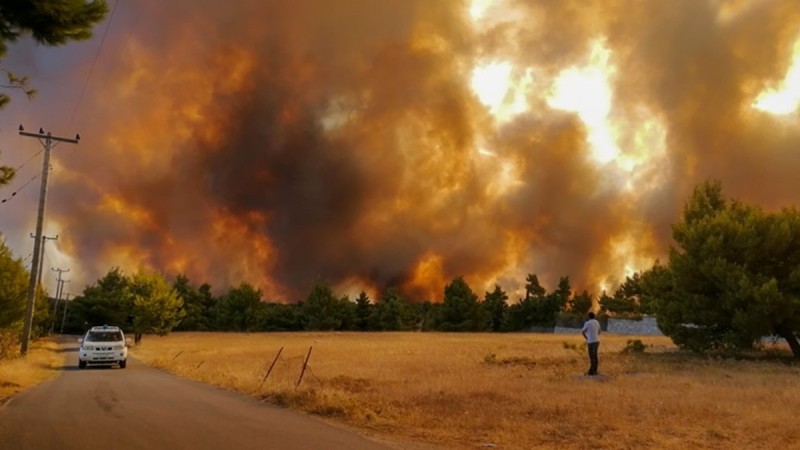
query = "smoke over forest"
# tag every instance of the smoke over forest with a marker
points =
(403, 143)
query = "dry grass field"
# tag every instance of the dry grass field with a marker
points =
(45, 360)
(509, 391)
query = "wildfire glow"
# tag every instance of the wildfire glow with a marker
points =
(478, 8)
(428, 275)
(587, 92)
(496, 88)
(491, 82)
(786, 98)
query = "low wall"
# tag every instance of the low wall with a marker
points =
(565, 330)
(646, 327)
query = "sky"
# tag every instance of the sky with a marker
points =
(399, 143)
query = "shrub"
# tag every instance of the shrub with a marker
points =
(634, 346)
(9, 344)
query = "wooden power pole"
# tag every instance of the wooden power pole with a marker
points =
(47, 140)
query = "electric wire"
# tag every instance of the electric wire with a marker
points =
(29, 160)
(13, 194)
(94, 62)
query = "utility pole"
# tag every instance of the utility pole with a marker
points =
(59, 289)
(64, 318)
(47, 141)
(41, 257)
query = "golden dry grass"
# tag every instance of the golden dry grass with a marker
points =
(45, 360)
(513, 391)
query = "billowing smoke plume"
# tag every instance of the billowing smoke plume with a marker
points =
(278, 142)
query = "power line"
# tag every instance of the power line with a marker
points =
(29, 160)
(13, 194)
(94, 62)
(17, 169)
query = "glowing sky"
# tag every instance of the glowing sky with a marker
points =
(400, 143)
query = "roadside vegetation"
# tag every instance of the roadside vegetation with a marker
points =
(513, 391)
(45, 360)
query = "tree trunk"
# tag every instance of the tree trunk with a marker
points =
(791, 338)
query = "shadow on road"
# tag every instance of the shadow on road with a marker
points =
(65, 349)
(74, 367)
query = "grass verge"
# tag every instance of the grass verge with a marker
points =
(45, 360)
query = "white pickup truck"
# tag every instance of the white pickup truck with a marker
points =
(104, 345)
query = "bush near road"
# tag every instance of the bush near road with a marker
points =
(45, 360)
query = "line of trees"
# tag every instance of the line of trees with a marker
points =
(136, 302)
(732, 278)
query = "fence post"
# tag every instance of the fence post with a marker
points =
(305, 364)
(270, 367)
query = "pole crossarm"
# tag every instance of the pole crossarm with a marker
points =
(50, 137)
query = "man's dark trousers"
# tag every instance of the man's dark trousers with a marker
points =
(593, 358)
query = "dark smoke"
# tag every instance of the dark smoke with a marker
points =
(279, 142)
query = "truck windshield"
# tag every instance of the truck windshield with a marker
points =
(103, 336)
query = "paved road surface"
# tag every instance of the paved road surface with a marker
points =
(142, 408)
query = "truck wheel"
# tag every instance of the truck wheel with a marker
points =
(81, 364)
(123, 363)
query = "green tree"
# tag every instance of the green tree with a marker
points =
(157, 307)
(519, 316)
(563, 293)
(14, 280)
(108, 301)
(734, 275)
(322, 310)
(460, 310)
(495, 304)
(533, 289)
(538, 308)
(581, 303)
(526, 312)
(656, 287)
(363, 312)
(628, 299)
(280, 317)
(240, 309)
(393, 312)
(49, 22)
(198, 303)
(423, 314)
(619, 304)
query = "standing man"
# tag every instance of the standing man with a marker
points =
(591, 332)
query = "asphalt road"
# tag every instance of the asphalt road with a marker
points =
(143, 408)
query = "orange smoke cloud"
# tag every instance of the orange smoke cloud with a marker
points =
(278, 142)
